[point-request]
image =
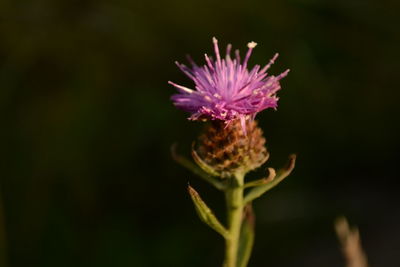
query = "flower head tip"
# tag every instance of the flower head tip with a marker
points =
(225, 89)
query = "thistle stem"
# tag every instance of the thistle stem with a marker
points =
(234, 204)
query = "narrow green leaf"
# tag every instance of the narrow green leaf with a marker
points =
(206, 214)
(208, 169)
(246, 237)
(262, 181)
(188, 164)
(281, 174)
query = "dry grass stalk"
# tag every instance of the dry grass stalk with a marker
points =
(351, 244)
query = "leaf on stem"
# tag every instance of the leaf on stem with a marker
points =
(281, 174)
(263, 181)
(208, 169)
(246, 236)
(188, 164)
(206, 214)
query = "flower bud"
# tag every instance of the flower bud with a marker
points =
(227, 149)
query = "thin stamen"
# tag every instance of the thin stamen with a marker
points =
(272, 61)
(251, 46)
(185, 70)
(183, 88)
(216, 50)
(228, 51)
(283, 74)
(237, 54)
(209, 64)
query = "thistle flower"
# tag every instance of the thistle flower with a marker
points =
(229, 96)
(226, 89)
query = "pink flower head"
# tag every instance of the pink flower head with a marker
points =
(225, 89)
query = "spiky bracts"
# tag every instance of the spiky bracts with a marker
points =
(228, 150)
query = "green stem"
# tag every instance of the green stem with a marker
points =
(234, 203)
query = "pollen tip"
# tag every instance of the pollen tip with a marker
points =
(214, 40)
(251, 44)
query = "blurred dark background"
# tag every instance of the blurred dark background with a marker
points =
(86, 173)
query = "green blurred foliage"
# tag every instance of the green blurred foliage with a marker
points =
(86, 175)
